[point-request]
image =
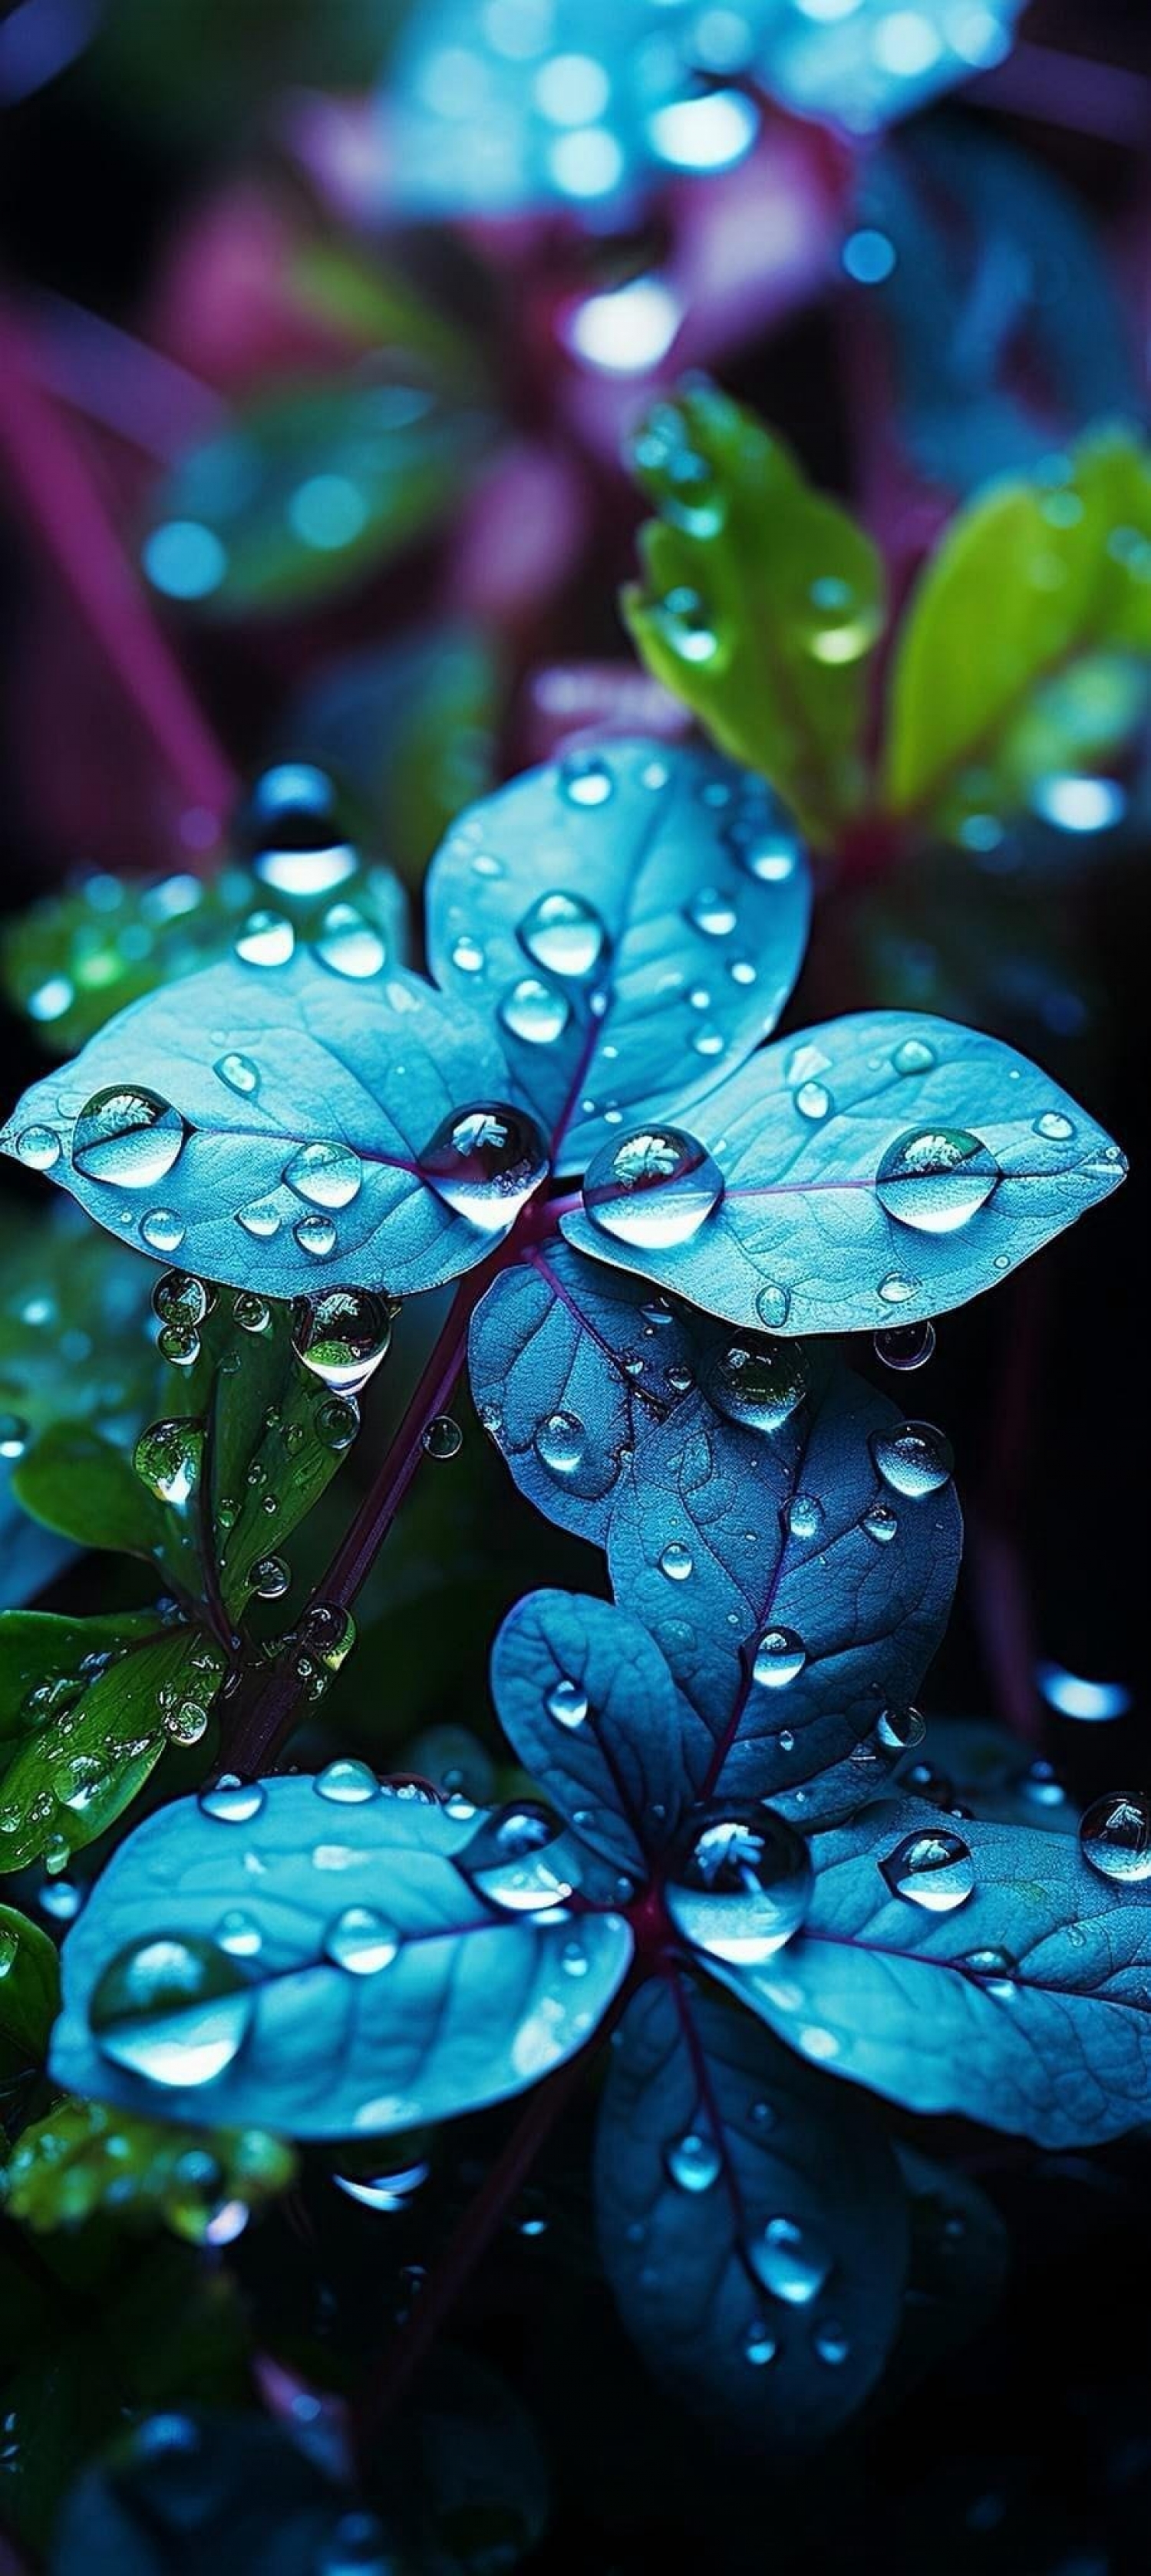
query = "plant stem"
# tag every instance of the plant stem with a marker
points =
(52, 474)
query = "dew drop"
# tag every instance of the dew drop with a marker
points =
(676, 1561)
(564, 934)
(907, 1346)
(804, 1516)
(881, 1524)
(1115, 1835)
(759, 2344)
(266, 939)
(995, 1968)
(935, 1179)
(239, 1073)
(508, 1861)
(173, 2010)
(914, 1459)
(187, 1723)
(346, 1783)
(740, 1884)
(535, 1012)
(232, 1801)
(442, 1437)
(653, 1188)
(934, 1870)
(585, 779)
(567, 1702)
(342, 1336)
(239, 1934)
(693, 2162)
(561, 1443)
(14, 1435)
(791, 2261)
(899, 1730)
(337, 1421)
(291, 829)
(712, 912)
(128, 1139)
(813, 1101)
(251, 1313)
(831, 2345)
(349, 945)
(38, 1147)
(773, 1305)
(361, 1941)
(270, 1578)
(757, 1383)
(179, 1345)
(262, 1219)
(1055, 1127)
(327, 1176)
(779, 1658)
(895, 1289)
(484, 1161)
(913, 1055)
(167, 1459)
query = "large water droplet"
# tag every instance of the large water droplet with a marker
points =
(779, 1658)
(907, 1346)
(791, 2261)
(936, 1178)
(328, 1176)
(362, 1941)
(442, 1437)
(262, 1219)
(316, 1235)
(585, 779)
(676, 1561)
(266, 939)
(1115, 1835)
(180, 1298)
(563, 934)
(342, 1336)
(167, 1457)
(127, 1138)
(561, 1443)
(508, 1861)
(567, 1703)
(935, 1870)
(231, 1801)
(914, 1459)
(535, 1012)
(653, 1188)
(346, 1783)
(484, 1161)
(740, 1884)
(349, 945)
(171, 2009)
(38, 1147)
(755, 1382)
(693, 2162)
(292, 830)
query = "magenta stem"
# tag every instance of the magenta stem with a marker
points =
(61, 499)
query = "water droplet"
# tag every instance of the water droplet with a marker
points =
(896, 1288)
(484, 1161)
(585, 779)
(686, 624)
(39, 1147)
(342, 1336)
(677, 1561)
(754, 1382)
(1115, 1835)
(740, 1884)
(180, 1298)
(346, 1783)
(1055, 1127)
(337, 1421)
(907, 1346)
(232, 1801)
(898, 1730)
(881, 1524)
(239, 1934)
(507, 1861)
(270, 1578)
(292, 831)
(831, 2345)
(759, 2344)
(261, 1220)
(780, 1657)
(813, 1101)
(804, 1516)
(561, 1443)
(693, 2162)
(535, 1012)
(563, 934)
(712, 912)
(468, 954)
(791, 2261)
(316, 1235)
(653, 1188)
(252, 1314)
(914, 1459)
(935, 1870)
(167, 1458)
(186, 1723)
(442, 1437)
(239, 1073)
(328, 1632)
(328, 1176)
(14, 1435)
(385, 2191)
(175, 2011)
(936, 1178)
(162, 1230)
(996, 1969)
(178, 1345)
(349, 945)
(362, 1941)
(127, 1138)
(266, 939)
(567, 1702)
(773, 1305)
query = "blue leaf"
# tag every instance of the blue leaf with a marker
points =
(635, 916)
(267, 1124)
(325, 1968)
(871, 1172)
(753, 2231)
(586, 1700)
(791, 1557)
(1027, 2005)
(571, 1365)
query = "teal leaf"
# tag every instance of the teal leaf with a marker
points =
(588, 1704)
(753, 2228)
(875, 1170)
(442, 2002)
(86, 1709)
(570, 1366)
(224, 1084)
(634, 916)
(795, 1593)
(1026, 2006)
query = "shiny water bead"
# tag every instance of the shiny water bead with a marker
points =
(1055, 1127)
(173, 2010)
(180, 1298)
(790, 2260)
(693, 2162)
(759, 2344)
(773, 1305)
(779, 1658)
(38, 1147)
(1115, 1835)
(167, 1459)
(676, 1561)
(567, 1703)
(342, 1335)
(831, 2345)
(484, 1161)
(585, 779)
(179, 1345)
(251, 1313)
(127, 1138)
(266, 939)
(913, 1055)
(384, 2191)
(653, 1188)
(935, 1179)
(535, 1012)
(907, 1346)
(563, 934)
(881, 1524)
(509, 1861)
(14, 1435)
(262, 1219)
(804, 1516)
(914, 1459)
(896, 1288)
(239, 1073)
(561, 1443)
(996, 1969)
(740, 1883)
(326, 1175)
(758, 1383)
(361, 1941)
(934, 1870)
(442, 1437)
(814, 1102)
(270, 1578)
(337, 1421)
(712, 912)
(292, 831)
(162, 1230)
(186, 1723)
(232, 1801)
(899, 1730)
(346, 1783)
(350, 945)
(686, 623)
(316, 1235)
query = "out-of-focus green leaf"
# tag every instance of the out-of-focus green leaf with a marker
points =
(1010, 658)
(29, 1993)
(86, 1708)
(760, 600)
(411, 729)
(307, 490)
(381, 308)
(193, 74)
(86, 2159)
(76, 1338)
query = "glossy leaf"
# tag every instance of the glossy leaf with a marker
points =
(86, 1709)
(474, 2004)
(85, 2159)
(693, 2088)
(843, 1154)
(571, 1366)
(1068, 556)
(371, 1069)
(760, 600)
(29, 1994)
(1027, 2006)
(307, 490)
(634, 916)
(585, 1698)
(790, 1555)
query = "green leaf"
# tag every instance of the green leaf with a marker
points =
(1011, 658)
(86, 1708)
(68, 1292)
(760, 600)
(29, 1993)
(86, 2159)
(307, 490)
